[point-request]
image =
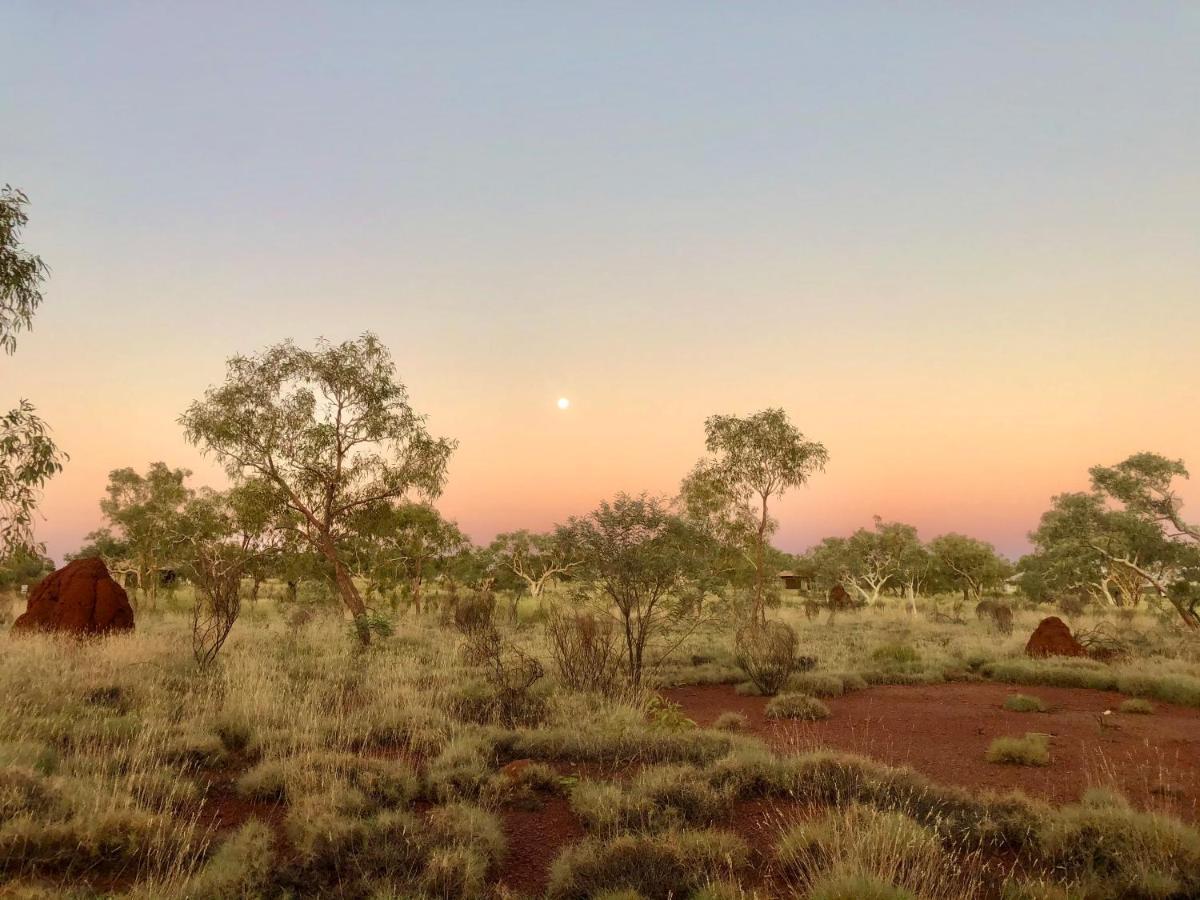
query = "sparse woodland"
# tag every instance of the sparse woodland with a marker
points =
(332, 691)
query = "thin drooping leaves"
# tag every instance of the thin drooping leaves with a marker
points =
(332, 429)
(21, 273)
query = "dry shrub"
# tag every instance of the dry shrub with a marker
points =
(511, 674)
(474, 613)
(586, 651)
(766, 652)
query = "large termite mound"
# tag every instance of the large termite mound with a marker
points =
(81, 598)
(1052, 637)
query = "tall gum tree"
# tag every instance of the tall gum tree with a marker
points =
(332, 429)
(28, 455)
(1143, 486)
(752, 460)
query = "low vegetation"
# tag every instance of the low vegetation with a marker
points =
(1031, 750)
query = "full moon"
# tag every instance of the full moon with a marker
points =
(563, 403)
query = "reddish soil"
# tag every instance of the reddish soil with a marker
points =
(535, 837)
(943, 731)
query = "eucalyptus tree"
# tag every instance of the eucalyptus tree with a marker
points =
(648, 566)
(403, 545)
(535, 559)
(750, 461)
(333, 430)
(141, 513)
(1143, 488)
(28, 455)
(971, 565)
(1083, 545)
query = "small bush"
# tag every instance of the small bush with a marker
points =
(797, 706)
(1137, 706)
(586, 651)
(766, 652)
(1031, 750)
(455, 873)
(1024, 703)
(657, 867)
(817, 684)
(731, 721)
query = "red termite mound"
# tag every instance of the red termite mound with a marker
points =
(1052, 637)
(81, 598)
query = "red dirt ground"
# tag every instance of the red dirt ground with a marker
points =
(943, 731)
(535, 838)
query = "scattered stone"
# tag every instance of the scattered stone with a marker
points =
(81, 599)
(1052, 637)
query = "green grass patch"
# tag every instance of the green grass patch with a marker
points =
(1031, 750)
(797, 706)
(1025, 703)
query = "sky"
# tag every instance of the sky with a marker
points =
(958, 243)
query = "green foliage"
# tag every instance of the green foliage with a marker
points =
(646, 561)
(796, 706)
(973, 566)
(752, 460)
(331, 429)
(28, 459)
(1031, 750)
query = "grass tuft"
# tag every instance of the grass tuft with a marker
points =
(1031, 750)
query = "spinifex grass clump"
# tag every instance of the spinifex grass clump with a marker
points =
(1137, 706)
(1024, 703)
(797, 706)
(1031, 750)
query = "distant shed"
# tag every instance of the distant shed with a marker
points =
(796, 581)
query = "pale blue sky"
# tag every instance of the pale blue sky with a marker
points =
(965, 223)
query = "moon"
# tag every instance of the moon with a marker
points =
(564, 403)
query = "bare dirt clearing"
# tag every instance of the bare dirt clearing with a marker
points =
(943, 731)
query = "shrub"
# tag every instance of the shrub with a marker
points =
(731, 721)
(797, 706)
(657, 867)
(1031, 750)
(586, 651)
(1138, 707)
(1024, 703)
(766, 652)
